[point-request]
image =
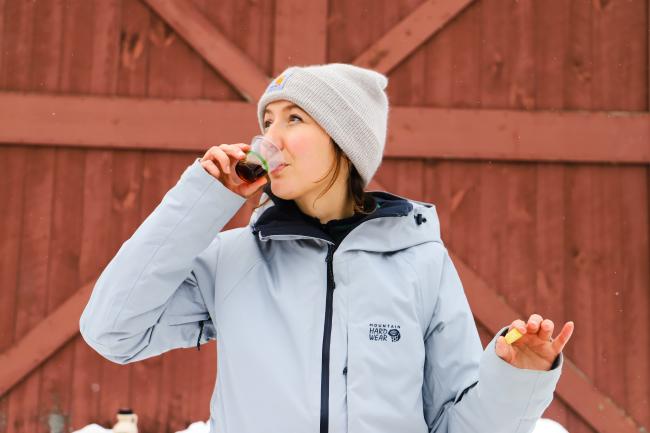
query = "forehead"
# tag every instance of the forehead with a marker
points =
(280, 106)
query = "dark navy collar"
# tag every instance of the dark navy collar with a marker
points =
(286, 218)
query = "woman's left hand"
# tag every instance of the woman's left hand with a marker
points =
(535, 350)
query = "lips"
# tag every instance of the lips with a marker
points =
(279, 169)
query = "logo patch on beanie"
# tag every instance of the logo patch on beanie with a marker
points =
(279, 82)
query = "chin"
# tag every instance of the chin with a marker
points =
(283, 190)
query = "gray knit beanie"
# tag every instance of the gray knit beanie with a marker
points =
(347, 101)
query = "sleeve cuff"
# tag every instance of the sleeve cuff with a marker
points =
(526, 391)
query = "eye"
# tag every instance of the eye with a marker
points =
(296, 117)
(266, 123)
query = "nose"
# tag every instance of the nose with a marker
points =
(274, 136)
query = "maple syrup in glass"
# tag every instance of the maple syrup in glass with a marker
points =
(262, 158)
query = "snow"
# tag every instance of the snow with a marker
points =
(544, 425)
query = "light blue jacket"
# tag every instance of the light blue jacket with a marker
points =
(373, 336)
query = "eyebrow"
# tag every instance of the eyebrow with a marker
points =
(288, 107)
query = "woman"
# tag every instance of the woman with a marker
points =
(334, 310)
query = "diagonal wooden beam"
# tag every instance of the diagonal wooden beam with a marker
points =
(193, 125)
(43, 340)
(300, 33)
(574, 387)
(213, 46)
(396, 45)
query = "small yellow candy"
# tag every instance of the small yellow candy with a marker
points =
(513, 335)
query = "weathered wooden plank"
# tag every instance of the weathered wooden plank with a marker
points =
(132, 123)
(2, 38)
(619, 69)
(55, 396)
(522, 92)
(300, 33)
(578, 84)
(409, 34)
(633, 229)
(210, 43)
(96, 197)
(578, 72)
(580, 257)
(13, 166)
(137, 35)
(92, 52)
(549, 244)
(106, 47)
(496, 67)
(408, 83)
(619, 83)
(551, 27)
(551, 47)
(174, 69)
(30, 35)
(17, 45)
(14, 75)
(33, 278)
(61, 60)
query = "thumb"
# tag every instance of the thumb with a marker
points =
(250, 189)
(503, 349)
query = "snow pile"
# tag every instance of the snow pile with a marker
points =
(197, 427)
(544, 425)
(94, 428)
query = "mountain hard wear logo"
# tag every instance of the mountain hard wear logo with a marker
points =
(384, 332)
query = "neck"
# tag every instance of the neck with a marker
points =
(333, 205)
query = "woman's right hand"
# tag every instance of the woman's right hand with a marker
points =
(220, 160)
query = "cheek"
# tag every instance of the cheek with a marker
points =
(309, 155)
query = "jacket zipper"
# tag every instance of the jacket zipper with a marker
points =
(327, 334)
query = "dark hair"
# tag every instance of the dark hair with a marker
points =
(364, 202)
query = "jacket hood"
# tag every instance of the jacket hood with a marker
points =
(396, 224)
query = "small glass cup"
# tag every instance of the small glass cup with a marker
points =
(261, 159)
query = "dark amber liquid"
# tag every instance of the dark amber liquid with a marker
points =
(249, 172)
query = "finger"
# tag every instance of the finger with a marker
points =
(563, 337)
(503, 349)
(251, 188)
(533, 323)
(233, 150)
(546, 330)
(520, 325)
(220, 156)
(211, 168)
(208, 153)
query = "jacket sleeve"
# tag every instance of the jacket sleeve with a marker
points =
(467, 389)
(157, 293)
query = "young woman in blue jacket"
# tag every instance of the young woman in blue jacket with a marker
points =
(334, 309)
